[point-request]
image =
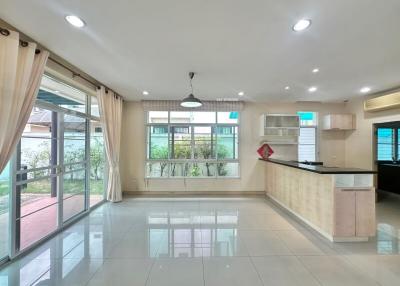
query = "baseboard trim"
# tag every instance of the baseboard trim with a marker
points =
(194, 193)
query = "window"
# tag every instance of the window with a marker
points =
(307, 148)
(385, 143)
(192, 144)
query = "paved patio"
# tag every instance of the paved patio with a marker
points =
(43, 222)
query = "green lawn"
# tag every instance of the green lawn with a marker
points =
(3, 188)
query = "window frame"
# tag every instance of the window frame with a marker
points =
(191, 126)
(395, 126)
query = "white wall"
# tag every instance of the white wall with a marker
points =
(252, 172)
(360, 142)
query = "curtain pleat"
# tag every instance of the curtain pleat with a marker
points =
(110, 106)
(21, 70)
(174, 105)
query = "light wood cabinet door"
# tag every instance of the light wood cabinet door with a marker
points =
(338, 122)
(345, 213)
(365, 212)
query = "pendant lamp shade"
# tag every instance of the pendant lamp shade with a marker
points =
(191, 101)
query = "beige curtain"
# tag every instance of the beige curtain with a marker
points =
(110, 106)
(21, 71)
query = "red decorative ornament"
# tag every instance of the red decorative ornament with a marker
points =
(265, 151)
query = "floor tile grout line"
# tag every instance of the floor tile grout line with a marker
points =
(255, 268)
(95, 272)
(152, 265)
(298, 257)
(359, 269)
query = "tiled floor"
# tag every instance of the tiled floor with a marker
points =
(215, 241)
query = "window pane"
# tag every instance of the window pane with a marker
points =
(156, 169)
(5, 187)
(35, 153)
(36, 141)
(385, 139)
(204, 142)
(201, 169)
(306, 147)
(228, 117)
(74, 139)
(37, 225)
(228, 169)
(227, 142)
(398, 144)
(94, 106)
(73, 196)
(307, 118)
(180, 142)
(157, 117)
(38, 214)
(157, 142)
(61, 94)
(192, 117)
(179, 169)
(97, 163)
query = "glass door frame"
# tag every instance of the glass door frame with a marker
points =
(14, 232)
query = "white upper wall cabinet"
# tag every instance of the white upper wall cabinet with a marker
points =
(279, 128)
(339, 122)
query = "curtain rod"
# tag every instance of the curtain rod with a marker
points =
(6, 32)
(74, 74)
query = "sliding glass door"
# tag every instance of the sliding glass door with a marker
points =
(59, 165)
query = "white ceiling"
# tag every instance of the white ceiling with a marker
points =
(232, 45)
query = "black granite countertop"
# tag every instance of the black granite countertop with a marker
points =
(320, 169)
(391, 164)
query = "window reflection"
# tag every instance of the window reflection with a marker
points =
(186, 234)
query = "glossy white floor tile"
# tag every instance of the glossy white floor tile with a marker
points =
(122, 272)
(206, 241)
(176, 272)
(335, 270)
(230, 271)
(283, 270)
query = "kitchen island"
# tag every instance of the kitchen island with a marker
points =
(339, 203)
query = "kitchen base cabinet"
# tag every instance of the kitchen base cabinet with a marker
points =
(337, 203)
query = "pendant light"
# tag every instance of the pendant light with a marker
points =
(191, 101)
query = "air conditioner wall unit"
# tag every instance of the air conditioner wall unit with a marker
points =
(384, 102)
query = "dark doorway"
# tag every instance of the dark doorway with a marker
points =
(387, 150)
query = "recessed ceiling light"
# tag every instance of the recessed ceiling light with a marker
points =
(57, 91)
(301, 25)
(287, 87)
(365, 89)
(75, 21)
(145, 92)
(241, 93)
(312, 89)
(315, 70)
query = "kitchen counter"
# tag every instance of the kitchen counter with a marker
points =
(339, 203)
(320, 169)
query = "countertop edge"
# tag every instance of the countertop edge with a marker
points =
(313, 169)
